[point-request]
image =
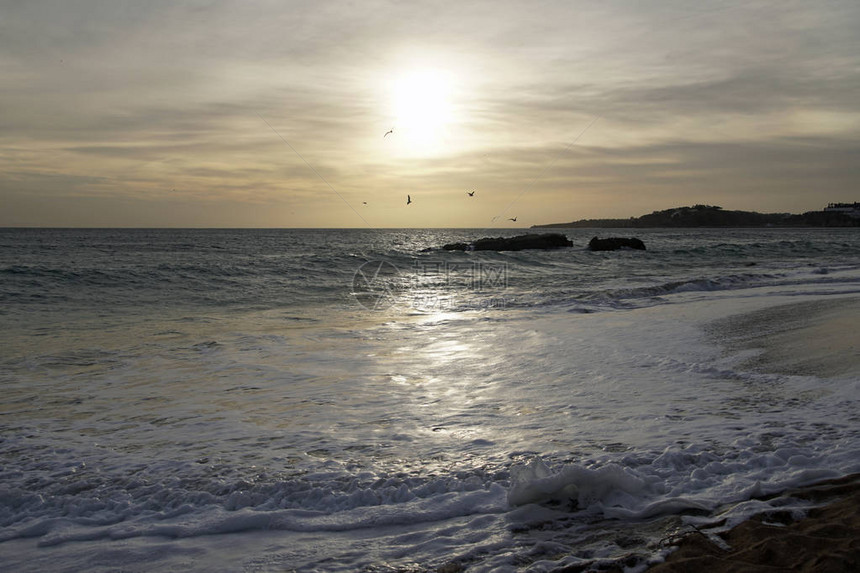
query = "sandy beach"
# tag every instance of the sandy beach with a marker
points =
(810, 338)
(815, 338)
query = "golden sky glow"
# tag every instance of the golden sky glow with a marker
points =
(274, 113)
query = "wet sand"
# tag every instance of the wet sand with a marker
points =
(816, 338)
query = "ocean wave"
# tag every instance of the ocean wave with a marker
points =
(76, 503)
(698, 284)
(82, 505)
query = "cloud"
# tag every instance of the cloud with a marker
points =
(132, 100)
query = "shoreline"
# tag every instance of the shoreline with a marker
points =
(799, 339)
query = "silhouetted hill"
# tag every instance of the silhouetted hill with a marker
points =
(713, 216)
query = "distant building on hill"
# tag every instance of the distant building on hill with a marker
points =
(850, 209)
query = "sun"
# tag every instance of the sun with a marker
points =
(423, 109)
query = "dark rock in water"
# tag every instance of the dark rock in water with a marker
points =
(518, 243)
(615, 243)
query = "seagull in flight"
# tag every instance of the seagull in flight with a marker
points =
(390, 131)
(514, 219)
(470, 193)
(408, 199)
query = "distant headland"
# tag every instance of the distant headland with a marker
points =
(834, 215)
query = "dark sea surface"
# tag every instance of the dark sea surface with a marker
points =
(360, 400)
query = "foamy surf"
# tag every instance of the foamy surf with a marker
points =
(591, 416)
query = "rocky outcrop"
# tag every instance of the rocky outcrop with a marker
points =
(615, 243)
(518, 243)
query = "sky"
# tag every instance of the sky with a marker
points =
(258, 113)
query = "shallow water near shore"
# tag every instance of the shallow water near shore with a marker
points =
(271, 400)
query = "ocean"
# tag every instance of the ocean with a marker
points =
(360, 400)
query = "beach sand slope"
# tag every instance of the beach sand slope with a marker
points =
(813, 338)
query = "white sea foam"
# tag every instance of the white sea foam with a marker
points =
(341, 441)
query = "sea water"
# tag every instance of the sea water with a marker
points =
(360, 400)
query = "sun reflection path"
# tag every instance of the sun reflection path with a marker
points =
(454, 378)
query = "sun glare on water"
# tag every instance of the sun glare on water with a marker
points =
(423, 110)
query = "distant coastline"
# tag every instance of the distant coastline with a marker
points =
(835, 215)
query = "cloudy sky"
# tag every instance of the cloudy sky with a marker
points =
(270, 113)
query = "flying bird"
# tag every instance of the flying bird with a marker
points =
(408, 199)
(514, 219)
(470, 193)
(388, 132)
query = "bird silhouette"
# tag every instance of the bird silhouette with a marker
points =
(408, 199)
(470, 193)
(388, 132)
(514, 219)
